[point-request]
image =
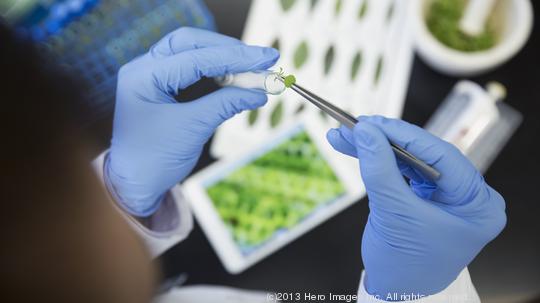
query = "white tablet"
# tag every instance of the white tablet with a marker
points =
(251, 205)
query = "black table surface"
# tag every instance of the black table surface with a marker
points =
(328, 259)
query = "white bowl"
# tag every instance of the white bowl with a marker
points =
(517, 26)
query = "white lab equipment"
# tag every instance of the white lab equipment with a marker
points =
(476, 121)
(358, 55)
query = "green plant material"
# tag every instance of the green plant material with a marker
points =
(363, 10)
(390, 12)
(287, 4)
(313, 4)
(277, 114)
(329, 59)
(301, 55)
(289, 81)
(300, 108)
(252, 116)
(378, 70)
(337, 8)
(356, 64)
(275, 191)
(276, 44)
(443, 20)
(323, 115)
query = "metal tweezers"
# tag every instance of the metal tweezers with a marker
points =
(349, 121)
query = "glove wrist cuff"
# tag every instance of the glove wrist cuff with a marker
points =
(114, 188)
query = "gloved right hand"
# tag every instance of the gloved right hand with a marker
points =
(419, 236)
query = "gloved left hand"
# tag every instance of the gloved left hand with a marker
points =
(157, 141)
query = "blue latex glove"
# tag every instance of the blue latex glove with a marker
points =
(157, 141)
(419, 236)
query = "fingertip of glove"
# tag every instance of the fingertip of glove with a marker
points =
(362, 133)
(271, 52)
(254, 98)
(332, 135)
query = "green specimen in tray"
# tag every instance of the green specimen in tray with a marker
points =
(363, 10)
(252, 117)
(390, 12)
(289, 81)
(287, 4)
(323, 115)
(277, 114)
(329, 59)
(300, 108)
(443, 18)
(300, 55)
(378, 70)
(337, 8)
(356, 64)
(313, 4)
(275, 191)
(275, 44)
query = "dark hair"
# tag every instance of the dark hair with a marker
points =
(38, 130)
(46, 202)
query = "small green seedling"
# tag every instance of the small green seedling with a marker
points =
(288, 80)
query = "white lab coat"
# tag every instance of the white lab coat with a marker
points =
(173, 223)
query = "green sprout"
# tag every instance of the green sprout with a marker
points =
(288, 80)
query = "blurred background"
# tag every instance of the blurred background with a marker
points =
(327, 259)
